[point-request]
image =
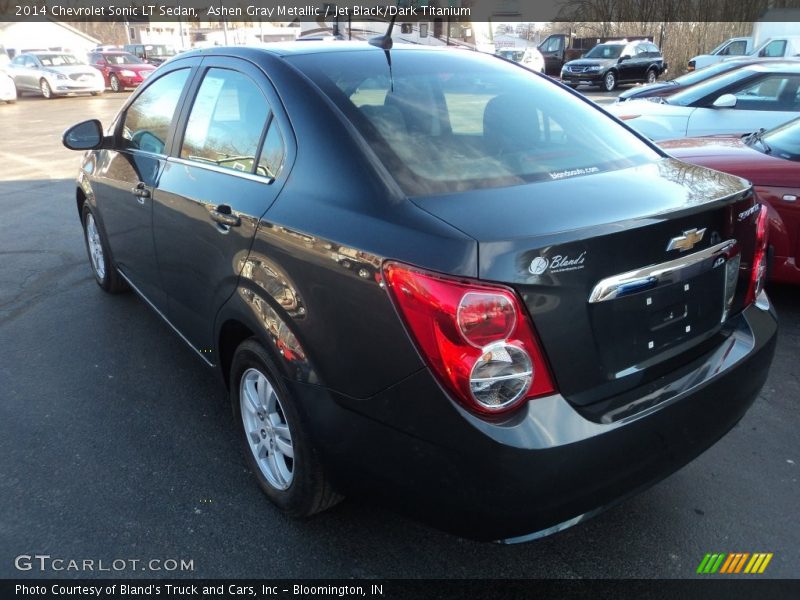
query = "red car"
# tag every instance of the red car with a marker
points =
(120, 69)
(771, 161)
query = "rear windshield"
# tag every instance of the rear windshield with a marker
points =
(458, 120)
(693, 77)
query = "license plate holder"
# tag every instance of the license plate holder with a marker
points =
(635, 328)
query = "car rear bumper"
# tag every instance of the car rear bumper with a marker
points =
(551, 466)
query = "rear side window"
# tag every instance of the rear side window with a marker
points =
(444, 122)
(272, 154)
(226, 122)
(148, 119)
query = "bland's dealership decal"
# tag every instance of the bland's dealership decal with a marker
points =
(559, 263)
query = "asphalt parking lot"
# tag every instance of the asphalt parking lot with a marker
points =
(117, 443)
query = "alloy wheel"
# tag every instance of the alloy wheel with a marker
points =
(45, 89)
(268, 435)
(115, 87)
(610, 81)
(651, 76)
(95, 246)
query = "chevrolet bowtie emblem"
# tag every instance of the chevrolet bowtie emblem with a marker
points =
(686, 241)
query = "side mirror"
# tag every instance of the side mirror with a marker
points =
(624, 57)
(87, 135)
(725, 101)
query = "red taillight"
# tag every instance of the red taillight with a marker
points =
(758, 273)
(475, 337)
(485, 317)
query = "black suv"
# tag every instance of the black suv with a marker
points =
(611, 63)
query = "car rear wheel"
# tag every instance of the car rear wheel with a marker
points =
(44, 87)
(610, 81)
(104, 272)
(115, 85)
(651, 76)
(276, 442)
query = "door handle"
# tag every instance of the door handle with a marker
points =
(222, 215)
(140, 190)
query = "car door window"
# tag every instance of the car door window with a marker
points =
(226, 121)
(774, 48)
(736, 48)
(147, 121)
(775, 92)
(553, 45)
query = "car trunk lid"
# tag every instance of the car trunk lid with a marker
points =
(625, 273)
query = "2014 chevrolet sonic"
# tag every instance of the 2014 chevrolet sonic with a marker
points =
(432, 276)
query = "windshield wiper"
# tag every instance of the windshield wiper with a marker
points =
(758, 136)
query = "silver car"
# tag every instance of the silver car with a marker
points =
(54, 74)
(8, 92)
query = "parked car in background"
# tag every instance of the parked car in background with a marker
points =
(418, 283)
(560, 48)
(155, 54)
(771, 161)
(749, 98)
(611, 63)
(54, 74)
(779, 47)
(8, 91)
(528, 57)
(737, 46)
(120, 70)
(533, 60)
(673, 86)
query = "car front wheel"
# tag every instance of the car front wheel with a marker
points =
(99, 258)
(651, 76)
(44, 87)
(276, 443)
(115, 85)
(610, 81)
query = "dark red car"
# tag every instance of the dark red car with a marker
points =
(771, 161)
(120, 69)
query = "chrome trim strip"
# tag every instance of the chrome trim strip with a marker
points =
(163, 316)
(216, 169)
(656, 275)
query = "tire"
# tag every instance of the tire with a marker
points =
(45, 89)
(115, 85)
(651, 76)
(105, 274)
(270, 429)
(96, 93)
(609, 81)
